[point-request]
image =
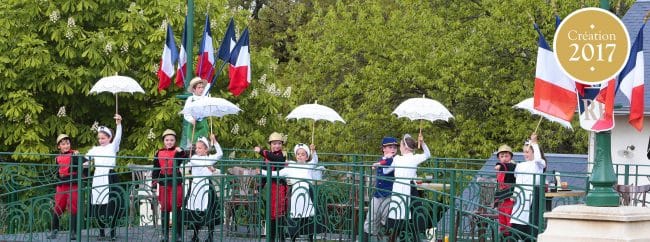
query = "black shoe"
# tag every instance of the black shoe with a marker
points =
(73, 236)
(52, 234)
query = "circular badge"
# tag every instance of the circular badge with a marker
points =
(591, 45)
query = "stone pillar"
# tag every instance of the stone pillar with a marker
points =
(595, 224)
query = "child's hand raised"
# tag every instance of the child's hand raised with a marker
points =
(312, 147)
(118, 118)
(533, 138)
(257, 149)
(213, 138)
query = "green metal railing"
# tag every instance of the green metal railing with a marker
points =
(452, 203)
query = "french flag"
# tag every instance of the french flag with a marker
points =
(169, 56)
(554, 93)
(205, 65)
(182, 60)
(631, 82)
(240, 65)
(228, 43)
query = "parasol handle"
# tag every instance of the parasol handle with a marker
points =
(313, 124)
(420, 133)
(192, 140)
(211, 125)
(116, 103)
(538, 123)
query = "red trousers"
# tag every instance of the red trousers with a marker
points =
(278, 200)
(165, 195)
(65, 198)
(505, 211)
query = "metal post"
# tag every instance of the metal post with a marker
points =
(189, 40)
(602, 176)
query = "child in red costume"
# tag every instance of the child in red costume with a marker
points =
(278, 185)
(506, 179)
(169, 181)
(66, 190)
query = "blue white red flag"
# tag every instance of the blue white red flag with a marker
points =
(597, 107)
(240, 65)
(169, 56)
(555, 92)
(205, 65)
(631, 82)
(228, 43)
(182, 60)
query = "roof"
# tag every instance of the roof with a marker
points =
(633, 20)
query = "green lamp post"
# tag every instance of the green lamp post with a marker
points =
(602, 175)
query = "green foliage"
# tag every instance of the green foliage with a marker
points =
(361, 58)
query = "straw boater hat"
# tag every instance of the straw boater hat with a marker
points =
(195, 81)
(278, 136)
(504, 148)
(168, 132)
(61, 137)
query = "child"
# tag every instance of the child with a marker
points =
(381, 197)
(405, 167)
(163, 174)
(104, 194)
(528, 176)
(198, 128)
(66, 190)
(200, 196)
(505, 178)
(302, 207)
(278, 185)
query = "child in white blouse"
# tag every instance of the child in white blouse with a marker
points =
(201, 197)
(405, 167)
(104, 196)
(528, 175)
(300, 176)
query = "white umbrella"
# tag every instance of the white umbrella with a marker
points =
(316, 112)
(209, 107)
(528, 104)
(115, 84)
(422, 109)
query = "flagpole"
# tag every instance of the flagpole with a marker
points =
(214, 79)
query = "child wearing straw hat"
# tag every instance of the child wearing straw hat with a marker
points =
(196, 127)
(66, 190)
(201, 196)
(506, 179)
(170, 180)
(104, 195)
(300, 176)
(278, 185)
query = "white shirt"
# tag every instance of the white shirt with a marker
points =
(528, 174)
(405, 167)
(300, 176)
(198, 197)
(104, 160)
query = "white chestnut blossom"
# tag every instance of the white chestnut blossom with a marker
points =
(61, 112)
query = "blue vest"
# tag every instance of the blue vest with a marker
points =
(384, 181)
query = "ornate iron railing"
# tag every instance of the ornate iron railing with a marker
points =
(452, 204)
